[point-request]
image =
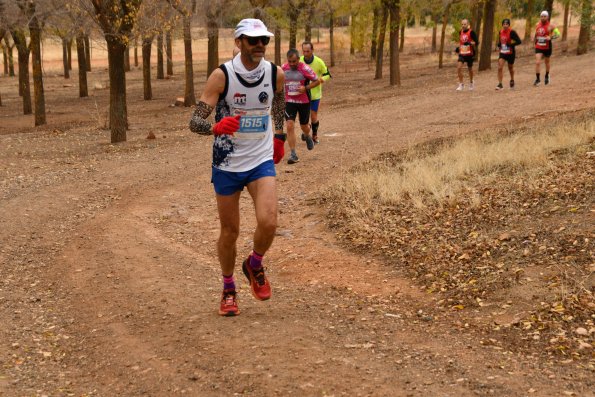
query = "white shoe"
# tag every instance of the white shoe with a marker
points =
(471, 86)
(460, 87)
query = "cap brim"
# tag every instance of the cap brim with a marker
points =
(257, 33)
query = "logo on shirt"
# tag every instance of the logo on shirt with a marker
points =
(239, 99)
(263, 97)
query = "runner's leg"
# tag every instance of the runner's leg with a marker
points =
(500, 69)
(264, 196)
(229, 218)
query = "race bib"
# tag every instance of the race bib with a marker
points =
(293, 88)
(465, 50)
(504, 49)
(541, 40)
(253, 123)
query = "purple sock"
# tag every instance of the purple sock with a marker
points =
(228, 282)
(255, 260)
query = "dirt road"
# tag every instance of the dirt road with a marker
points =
(109, 282)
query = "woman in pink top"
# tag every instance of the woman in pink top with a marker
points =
(299, 79)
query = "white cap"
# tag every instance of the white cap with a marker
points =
(251, 27)
(544, 14)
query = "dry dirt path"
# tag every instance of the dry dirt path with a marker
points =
(109, 280)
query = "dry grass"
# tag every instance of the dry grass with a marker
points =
(441, 176)
(495, 221)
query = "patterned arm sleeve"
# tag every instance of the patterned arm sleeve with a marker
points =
(199, 123)
(278, 110)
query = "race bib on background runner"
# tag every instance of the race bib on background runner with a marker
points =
(465, 50)
(293, 88)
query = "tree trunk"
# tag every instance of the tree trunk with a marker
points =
(402, 36)
(584, 35)
(5, 59)
(331, 19)
(127, 59)
(529, 20)
(443, 34)
(65, 58)
(277, 45)
(147, 44)
(212, 45)
(308, 21)
(88, 52)
(375, 24)
(35, 45)
(485, 54)
(189, 98)
(381, 38)
(293, 15)
(160, 71)
(135, 53)
(70, 54)
(477, 16)
(82, 63)
(566, 15)
(352, 22)
(118, 112)
(24, 85)
(395, 73)
(436, 20)
(549, 6)
(169, 53)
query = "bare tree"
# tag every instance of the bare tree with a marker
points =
(377, 11)
(485, 53)
(187, 10)
(29, 9)
(213, 13)
(294, 8)
(82, 65)
(585, 32)
(381, 38)
(169, 53)
(160, 70)
(529, 19)
(395, 72)
(117, 19)
(445, 16)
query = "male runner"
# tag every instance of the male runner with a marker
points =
(467, 44)
(299, 79)
(509, 39)
(545, 32)
(243, 153)
(319, 67)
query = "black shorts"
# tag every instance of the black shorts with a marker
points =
(292, 109)
(467, 59)
(508, 58)
(546, 53)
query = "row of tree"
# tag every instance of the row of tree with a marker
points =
(125, 24)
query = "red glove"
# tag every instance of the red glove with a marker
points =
(228, 125)
(278, 148)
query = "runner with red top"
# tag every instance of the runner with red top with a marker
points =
(545, 32)
(509, 39)
(466, 50)
(299, 79)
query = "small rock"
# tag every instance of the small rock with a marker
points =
(151, 136)
(582, 331)
(584, 345)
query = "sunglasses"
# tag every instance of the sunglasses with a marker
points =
(254, 40)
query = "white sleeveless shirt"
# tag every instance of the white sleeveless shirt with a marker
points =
(252, 145)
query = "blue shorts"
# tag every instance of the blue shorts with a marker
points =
(227, 183)
(314, 105)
